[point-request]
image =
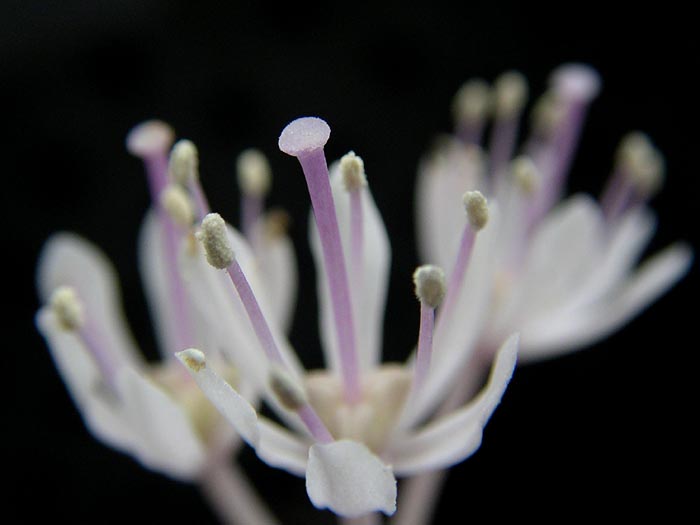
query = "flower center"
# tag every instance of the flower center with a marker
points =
(383, 393)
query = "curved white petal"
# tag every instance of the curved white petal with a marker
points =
(556, 335)
(236, 409)
(455, 437)
(282, 449)
(565, 250)
(442, 178)
(456, 336)
(347, 478)
(368, 297)
(69, 260)
(101, 413)
(279, 275)
(165, 438)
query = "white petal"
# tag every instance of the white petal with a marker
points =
(440, 217)
(564, 252)
(455, 339)
(573, 330)
(100, 411)
(69, 260)
(166, 440)
(455, 437)
(369, 298)
(236, 409)
(279, 276)
(345, 477)
(282, 449)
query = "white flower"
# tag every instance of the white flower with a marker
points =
(561, 272)
(356, 425)
(154, 412)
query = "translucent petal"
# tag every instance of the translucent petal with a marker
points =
(282, 449)
(454, 437)
(69, 260)
(369, 299)
(575, 329)
(345, 477)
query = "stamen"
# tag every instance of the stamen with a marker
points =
(70, 315)
(304, 138)
(525, 174)
(352, 171)
(470, 108)
(276, 223)
(254, 177)
(184, 170)
(429, 283)
(510, 93)
(151, 142)
(67, 308)
(214, 237)
(177, 203)
(477, 210)
(637, 176)
(292, 397)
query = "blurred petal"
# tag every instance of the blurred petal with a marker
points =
(282, 449)
(369, 300)
(557, 335)
(345, 477)
(99, 409)
(454, 437)
(166, 440)
(68, 260)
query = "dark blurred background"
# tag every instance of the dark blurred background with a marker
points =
(606, 430)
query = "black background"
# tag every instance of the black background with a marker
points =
(607, 430)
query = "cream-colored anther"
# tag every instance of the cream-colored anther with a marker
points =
(67, 308)
(510, 93)
(472, 101)
(276, 223)
(287, 391)
(525, 174)
(547, 114)
(430, 286)
(352, 171)
(254, 174)
(178, 204)
(641, 162)
(184, 162)
(193, 359)
(214, 237)
(477, 209)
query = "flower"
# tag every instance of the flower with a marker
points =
(153, 412)
(562, 272)
(355, 426)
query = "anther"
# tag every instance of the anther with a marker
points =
(430, 287)
(472, 101)
(214, 237)
(477, 209)
(254, 172)
(184, 163)
(525, 174)
(193, 359)
(149, 138)
(68, 308)
(352, 171)
(276, 223)
(288, 392)
(510, 94)
(178, 204)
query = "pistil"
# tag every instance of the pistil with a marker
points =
(304, 139)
